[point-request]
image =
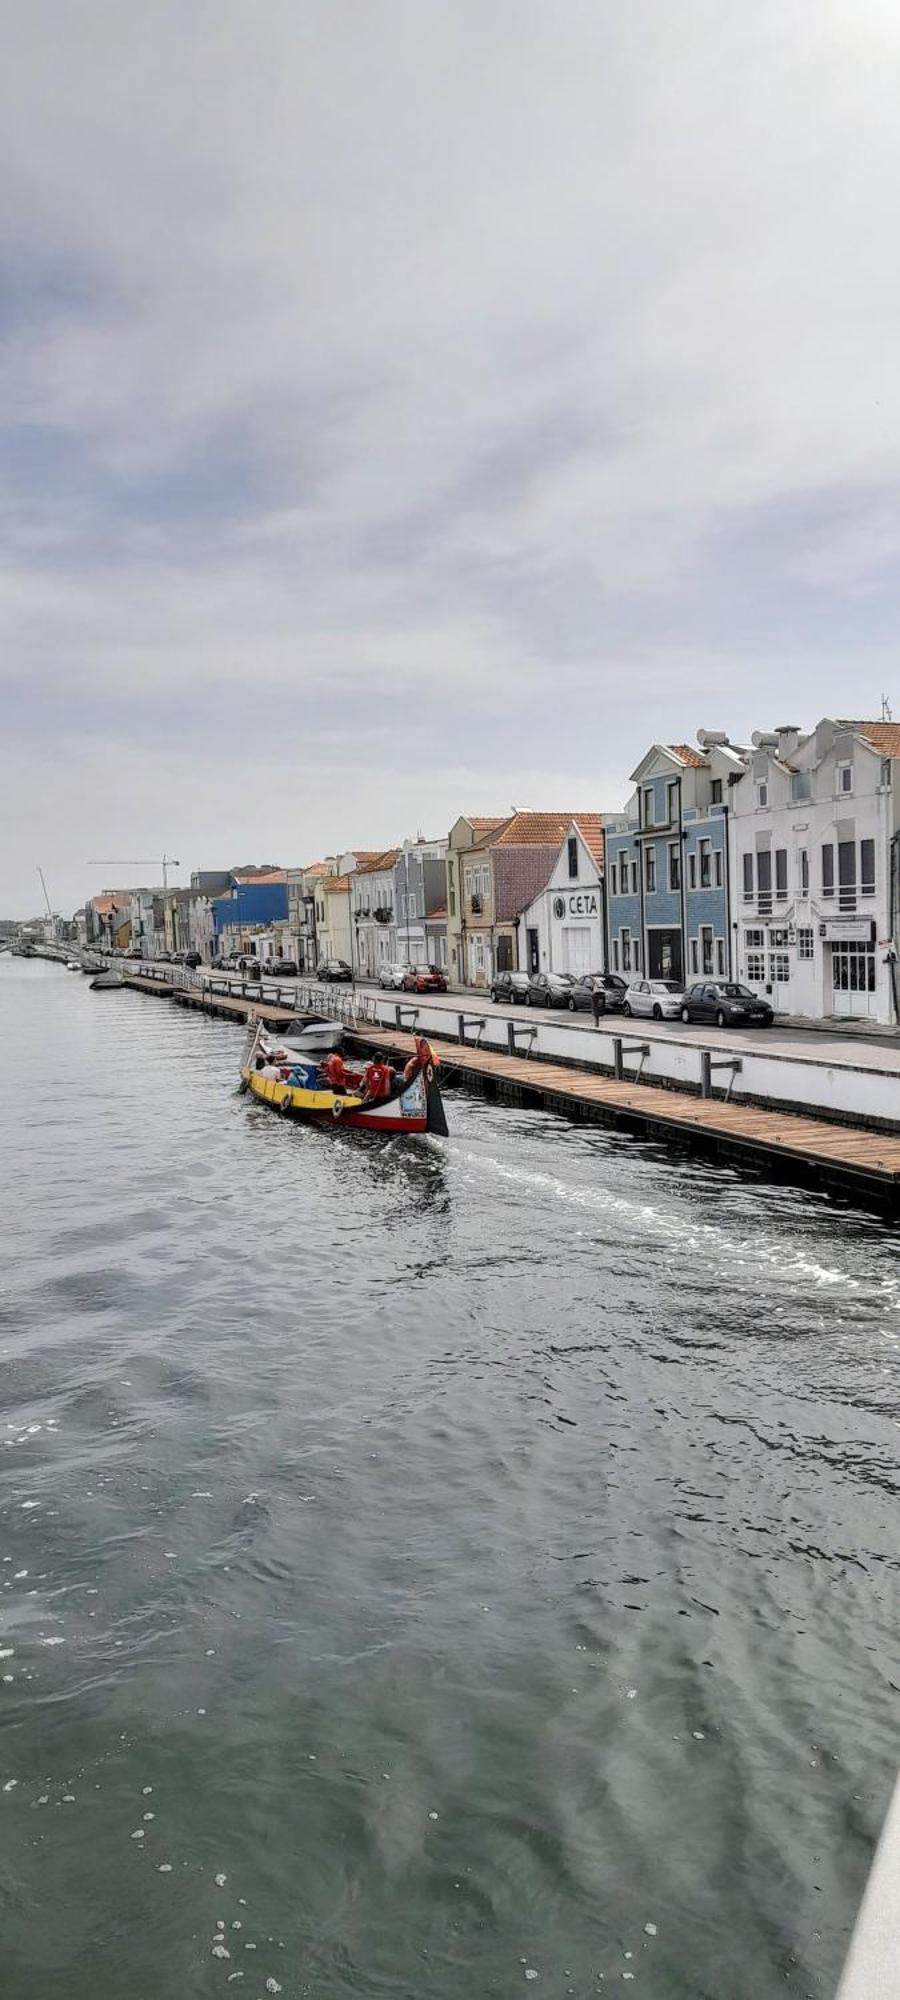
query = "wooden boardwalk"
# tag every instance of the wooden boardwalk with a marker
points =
(840, 1157)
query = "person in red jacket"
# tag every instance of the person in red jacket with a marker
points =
(379, 1079)
(336, 1073)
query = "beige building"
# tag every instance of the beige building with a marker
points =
(463, 836)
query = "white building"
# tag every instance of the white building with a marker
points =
(562, 928)
(815, 853)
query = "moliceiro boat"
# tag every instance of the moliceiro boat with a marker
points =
(372, 1098)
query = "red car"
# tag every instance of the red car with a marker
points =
(425, 979)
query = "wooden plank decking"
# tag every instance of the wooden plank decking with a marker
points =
(840, 1156)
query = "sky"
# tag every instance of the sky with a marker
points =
(415, 407)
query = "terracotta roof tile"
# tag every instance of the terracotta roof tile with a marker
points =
(385, 860)
(250, 876)
(548, 829)
(688, 755)
(480, 824)
(883, 736)
(434, 916)
(336, 884)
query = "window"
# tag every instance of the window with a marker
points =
(828, 869)
(805, 946)
(886, 773)
(867, 867)
(747, 864)
(706, 946)
(715, 791)
(674, 866)
(720, 957)
(847, 874)
(717, 858)
(756, 968)
(781, 873)
(754, 940)
(804, 871)
(636, 950)
(649, 806)
(672, 800)
(634, 878)
(845, 778)
(705, 852)
(692, 871)
(614, 878)
(650, 870)
(853, 968)
(615, 946)
(779, 968)
(626, 951)
(695, 958)
(762, 794)
(411, 902)
(764, 879)
(572, 845)
(453, 902)
(801, 786)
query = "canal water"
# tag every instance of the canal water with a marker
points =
(426, 1568)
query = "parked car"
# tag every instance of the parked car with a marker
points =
(549, 989)
(509, 986)
(393, 975)
(281, 968)
(424, 979)
(609, 986)
(726, 1003)
(659, 999)
(333, 969)
(192, 959)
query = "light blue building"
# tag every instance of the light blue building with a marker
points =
(668, 894)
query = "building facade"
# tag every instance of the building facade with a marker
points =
(251, 905)
(302, 884)
(374, 915)
(563, 929)
(464, 834)
(668, 884)
(502, 874)
(815, 840)
(420, 891)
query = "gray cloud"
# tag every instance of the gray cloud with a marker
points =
(431, 397)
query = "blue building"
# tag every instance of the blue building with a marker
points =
(249, 906)
(668, 894)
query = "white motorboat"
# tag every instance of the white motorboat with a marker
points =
(73, 965)
(106, 980)
(302, 1038)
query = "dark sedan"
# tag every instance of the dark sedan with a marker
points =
(727, 1004)
(333, 969)
(509, 986)
(610, 989)
(549, 989)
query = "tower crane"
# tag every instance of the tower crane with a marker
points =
(165, 862)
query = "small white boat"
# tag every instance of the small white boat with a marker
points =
(106, 980)
(303, 1038)
(73, 965)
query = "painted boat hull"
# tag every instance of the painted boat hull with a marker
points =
(407, 1113)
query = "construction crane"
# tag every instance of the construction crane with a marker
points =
(46, 897)
(165, 862)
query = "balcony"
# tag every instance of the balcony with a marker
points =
(384, 914)
(475, 905)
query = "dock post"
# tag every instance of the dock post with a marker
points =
(618, 1069)
(705, 1073)
(462, 1030)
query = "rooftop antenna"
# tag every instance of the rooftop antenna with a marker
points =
(46, 897)
(165, 862)
(887, 713)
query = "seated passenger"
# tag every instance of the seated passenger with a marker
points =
(379, 1079)
(336, 1073)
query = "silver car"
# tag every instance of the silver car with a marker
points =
(659, 999)
(392, 975)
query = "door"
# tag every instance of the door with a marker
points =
(664, 955)
(504, 954)
(534, 954)
(853, 978)
(576, 942)
(639, 1000)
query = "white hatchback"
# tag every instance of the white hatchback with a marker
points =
(660, 999)
(392, 976)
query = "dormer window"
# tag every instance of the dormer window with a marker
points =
(762, 793)
(572, 845)
(845, 778)
(715, 791)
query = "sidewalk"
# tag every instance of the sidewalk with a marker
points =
(855, 1028)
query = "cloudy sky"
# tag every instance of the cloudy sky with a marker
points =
(414, 406)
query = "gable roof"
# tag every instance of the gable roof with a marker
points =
(480, 823)
(377, 861)
(103, 906)
(545, 829)
(336, 884)
(687, 755)
(590, 827)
